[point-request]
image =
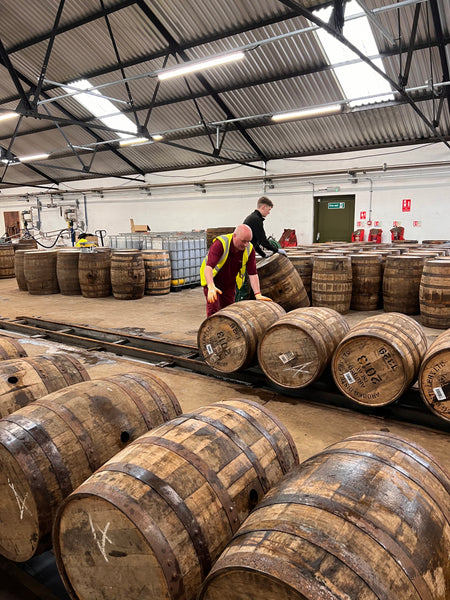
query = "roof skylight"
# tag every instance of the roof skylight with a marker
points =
(100, 106)
(357, 80)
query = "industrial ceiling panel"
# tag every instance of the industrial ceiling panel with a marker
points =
(122, 46)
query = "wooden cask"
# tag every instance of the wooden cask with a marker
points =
(94, 273)
(331, 283)
(19, 259)
(51, 446)
(303, 264)
(158, 272)
(127, 274)
(23, 380)
(366, 281)
(367, 518)
(26, 244)
(39, 267)
(296, 349)
(67, 272)
(434, 376)
(228, 340)
(163, 509)
(434, 294)
(280, 281)
(379, 359)
(401, 281)
(10, 348)
(6, 261)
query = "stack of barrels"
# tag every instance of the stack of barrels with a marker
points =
(410, 278)
(126, 274)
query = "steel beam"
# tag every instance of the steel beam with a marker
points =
(295, 5)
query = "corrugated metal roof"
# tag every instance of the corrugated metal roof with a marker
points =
(283, 70)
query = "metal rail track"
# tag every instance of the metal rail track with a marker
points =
(409, 408)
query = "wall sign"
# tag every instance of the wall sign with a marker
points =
(332, 205)
(406, 205)
(362, 215)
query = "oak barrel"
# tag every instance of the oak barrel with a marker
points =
(434, 294)
(366, 281)
(94, 272)
(303, 264)
(228, 340)
(67, 272)
(19, 259)
(434, 376)
(158, 272)
(6, 261)
(401, 282)
(39, 267)
(296, 349)
(169, 503)
(366, 518)
(331, 283)
(51, 446)
(26, 244)
(127, 274)
(23, 380)
(280, 281)
(379, 359)
(10, 348)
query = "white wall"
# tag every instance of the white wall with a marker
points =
(176, 203)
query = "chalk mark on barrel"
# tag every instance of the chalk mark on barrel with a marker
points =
(299, 368)
(100, 543)
(21, 502)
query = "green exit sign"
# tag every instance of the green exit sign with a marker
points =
(336, 205)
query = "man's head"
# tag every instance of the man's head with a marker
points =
(242, 236)
(264, 205)
(82, 236)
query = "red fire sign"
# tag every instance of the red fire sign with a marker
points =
(406, 205)
(362, 215)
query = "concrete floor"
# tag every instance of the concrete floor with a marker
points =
(177, 317)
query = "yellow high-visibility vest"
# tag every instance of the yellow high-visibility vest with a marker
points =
(226, 243)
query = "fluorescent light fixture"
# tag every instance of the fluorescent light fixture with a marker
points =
(133, 141)
(306, 113)
(200, 65)
(33, 157)
(157, 137)
(10, 115)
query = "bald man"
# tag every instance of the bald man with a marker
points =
(229, 258)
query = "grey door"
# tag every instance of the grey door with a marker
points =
(334, 218)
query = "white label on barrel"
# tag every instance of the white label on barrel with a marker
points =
(286, 357)
(439, 393)
(349, 377)
(209, 349)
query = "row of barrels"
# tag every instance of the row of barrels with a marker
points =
(141, 501)
(144, 502)
(126, 274)
(407, 283)
(373, 364)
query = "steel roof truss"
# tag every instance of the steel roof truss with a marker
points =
(13, 74)
(174, 47)
(48, 53)
(313, 18)
(403, 78)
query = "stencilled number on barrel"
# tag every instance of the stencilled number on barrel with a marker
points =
(369, 369)
(102, 539)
